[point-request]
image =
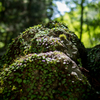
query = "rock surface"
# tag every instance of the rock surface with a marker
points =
(41, 64)
(93, 65)
(51, 37)
(94, 60)
(47, 76)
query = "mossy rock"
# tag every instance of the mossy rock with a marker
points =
(42, 38)
(94, 61)
(43, 76)
(40, 64)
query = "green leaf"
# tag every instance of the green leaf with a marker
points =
(9, 82)
(24, 81)
(19, 80)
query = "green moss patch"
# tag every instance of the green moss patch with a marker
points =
(44, 76)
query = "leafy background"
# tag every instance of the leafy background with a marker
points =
(83, 18)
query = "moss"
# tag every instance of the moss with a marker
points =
(62, 36)
(54, 24)
(24, 42)
(39, 76)
(38, 65)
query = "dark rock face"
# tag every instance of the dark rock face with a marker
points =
(94, 60)
(41, 64)
(93, 65)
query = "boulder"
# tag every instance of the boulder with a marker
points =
(41, 64)
(40, 38)
(94, 60)
(44, 76)
(93, 65)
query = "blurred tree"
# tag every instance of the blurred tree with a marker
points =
(92, 20)
(17, 15)
(81, 20)
(84, 19)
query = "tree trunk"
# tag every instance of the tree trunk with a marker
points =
(81, 20)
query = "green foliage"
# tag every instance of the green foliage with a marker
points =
(1, 7)
(1, 44)
(91, 19)
(80, 62)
